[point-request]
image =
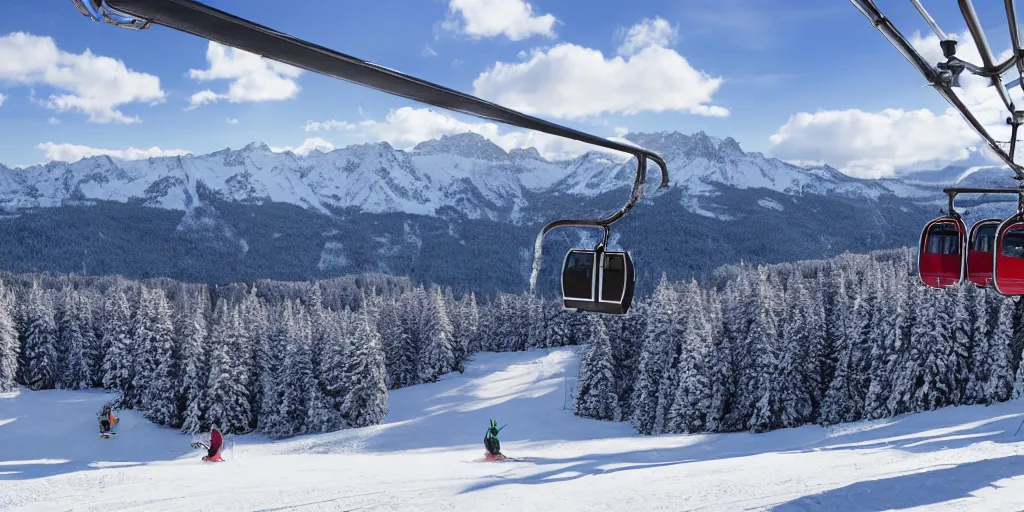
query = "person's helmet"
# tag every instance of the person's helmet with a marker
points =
(494, 423)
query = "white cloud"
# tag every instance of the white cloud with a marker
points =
(406, 127)
(2, 99)
(649, 32)
(307, 147)
(53, 120)
(231, 120)
(253, 78)
(428, 51)
(873, 144)
(570, 82)
(74, 152)
(316, 126)
(876, 144)
(513, 19)
(91, 84)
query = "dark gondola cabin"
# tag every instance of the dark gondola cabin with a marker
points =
(940, 258)
(1009, 261)
(600, 282)
(980, 247)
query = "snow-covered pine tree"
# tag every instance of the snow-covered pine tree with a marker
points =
(254, 320)
(299, 380)
(791, 383)
(999, 384)
(962, 339)
(413, 305)
(76, 367)
(40, 352)
(436, 358)
(719, 369)
(272, 421)
(10, 346)
(192, 354)
(595, 387)
(226, 392)
(655, 357)
(936, 337)
(626, 342)
(393, 338)
(89, 304)
(367, 400)
(465, 318)
(979, 364)
(160, 397)
(144, 364)
(117, 343)
(692, 397)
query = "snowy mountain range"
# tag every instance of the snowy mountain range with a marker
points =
(466, 172)
(374, 207)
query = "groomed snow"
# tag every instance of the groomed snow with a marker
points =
(962, 458)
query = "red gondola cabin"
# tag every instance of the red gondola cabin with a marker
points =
(1009, 258)
(941, 257)
(980, 247)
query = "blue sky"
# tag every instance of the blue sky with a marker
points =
(774, 59)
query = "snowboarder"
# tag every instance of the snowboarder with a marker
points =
(212, 449)
(491, 443)
(107, 421)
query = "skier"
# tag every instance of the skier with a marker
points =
(213, 449)
(107, 421)
(491, 443)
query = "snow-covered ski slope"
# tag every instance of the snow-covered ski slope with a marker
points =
(965, 458)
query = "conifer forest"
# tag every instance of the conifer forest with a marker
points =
(749, 349)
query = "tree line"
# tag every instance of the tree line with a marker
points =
(750, 348)
(282, 358)
(759, 348)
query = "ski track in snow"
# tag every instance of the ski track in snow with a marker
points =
(963, 458)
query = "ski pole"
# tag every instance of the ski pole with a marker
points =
(1018, 428)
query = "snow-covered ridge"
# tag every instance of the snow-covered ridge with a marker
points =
(466, 172)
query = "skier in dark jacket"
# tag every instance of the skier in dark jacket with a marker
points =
(107, 420)
(491, 442)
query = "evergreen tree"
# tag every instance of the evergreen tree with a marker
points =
(10, 345)
(226, 391)
(192, 354)
(41, 370)
(655, 357)
(999, 384)
(595, 388)
(692, 396)
(299, 380)
(367, 400)
(118, 366)
(436, 357)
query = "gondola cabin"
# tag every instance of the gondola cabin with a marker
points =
(940, 257)
(598, 281)
(980, 248)
(1008, 275)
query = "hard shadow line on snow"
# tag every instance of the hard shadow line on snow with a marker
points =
(927, 488)
(586, 465)
(959, 427)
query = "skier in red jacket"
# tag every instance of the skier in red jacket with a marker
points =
(213, 450)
